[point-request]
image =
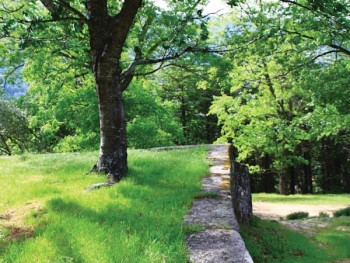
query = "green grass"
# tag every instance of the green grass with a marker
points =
(316, 199)
(138, 220)
(269, 241)
(335, 238)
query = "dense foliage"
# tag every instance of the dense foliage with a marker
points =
(271, 77)
(285, 112)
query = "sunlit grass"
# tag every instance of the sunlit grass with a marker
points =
(269, 241)
(317, 199)
(336, 238)
(137, 220)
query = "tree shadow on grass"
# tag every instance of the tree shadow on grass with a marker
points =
(115, 220)
(65, 243)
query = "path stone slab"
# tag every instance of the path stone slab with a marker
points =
(212, 213)
(217, 246)
(220, 241)
(219, 169)
(215, 183)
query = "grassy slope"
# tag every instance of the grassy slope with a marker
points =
(138, 220)
(269, 241)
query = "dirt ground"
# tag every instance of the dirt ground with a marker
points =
(276, 211)
(13, 221)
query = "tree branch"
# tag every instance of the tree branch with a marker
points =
(50, 20)
(52, 8)
(9, 11)
(307, 62)
(335, 46)
(125, 18)
(131, 69)
(151, 72)
(340, 49)
(13, 71)
(74, 11)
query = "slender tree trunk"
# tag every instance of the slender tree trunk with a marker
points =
(307, 189)
(184, 115)
(268, 180)
(291, 172)
(283, 183)
(346, 178)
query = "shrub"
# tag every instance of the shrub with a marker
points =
(342, 212)
(323, 215)
(297, 215)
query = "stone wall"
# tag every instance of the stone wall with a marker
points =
(240, 189)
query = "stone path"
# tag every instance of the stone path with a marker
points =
(219, 240)
(276, 211)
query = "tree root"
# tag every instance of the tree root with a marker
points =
(98, 186)
(109, 182)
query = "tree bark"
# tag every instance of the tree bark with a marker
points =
(268, 179)
(307, 189)
(113, 141)
(283, 183)
(107, 38)
(291, 172)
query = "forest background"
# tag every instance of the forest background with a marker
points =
(271, 77)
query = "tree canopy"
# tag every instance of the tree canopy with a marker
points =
(272, 77)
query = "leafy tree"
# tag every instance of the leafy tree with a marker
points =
(63, 111)
(191, 88)
(150, 121)
(14, 131)
(93, 34)
(274, 113)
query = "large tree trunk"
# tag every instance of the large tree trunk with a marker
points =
(113, 140)
(107, 38)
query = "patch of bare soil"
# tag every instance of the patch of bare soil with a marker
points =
(13, 220)
(15, 216)
(15, 233)
(309, 226)
(276, 211)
